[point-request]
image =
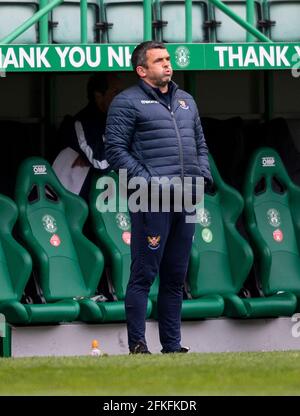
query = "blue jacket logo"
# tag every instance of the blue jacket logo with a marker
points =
(183, 105)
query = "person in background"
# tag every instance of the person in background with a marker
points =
(83, 136)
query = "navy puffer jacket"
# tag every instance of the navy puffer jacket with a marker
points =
(149, 139)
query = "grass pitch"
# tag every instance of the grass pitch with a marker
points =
(265, 373)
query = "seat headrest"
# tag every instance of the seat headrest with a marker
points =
(36, 170)
(37, 185)
(266, 163)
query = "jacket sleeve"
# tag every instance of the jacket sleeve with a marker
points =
(120, 129)
(202, 150)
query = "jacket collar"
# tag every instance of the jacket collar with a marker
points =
(150, 91)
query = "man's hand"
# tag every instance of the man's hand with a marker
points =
(80, 161)
(208, 185)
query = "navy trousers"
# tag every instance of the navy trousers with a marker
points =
(160, 245)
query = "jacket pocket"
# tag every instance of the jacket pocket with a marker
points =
(149, 169)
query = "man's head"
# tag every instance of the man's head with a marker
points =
(151, 61)
(102, 87)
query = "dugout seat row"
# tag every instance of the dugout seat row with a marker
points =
(221, 258)
(65, 264)
(105, 21)
(68, 266)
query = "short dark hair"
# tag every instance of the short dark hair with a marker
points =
(97, 82)
(139, 57)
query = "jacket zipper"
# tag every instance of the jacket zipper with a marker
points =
(177, 132)
(179, 143)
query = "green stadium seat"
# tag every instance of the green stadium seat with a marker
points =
(172, 13)
(272, 207)
(15, 267)
(220, 258)
(227, 30)
(12, 14)
(122, 30)
(65, 22)
(112, 231)
(68, 266)
(284, 17)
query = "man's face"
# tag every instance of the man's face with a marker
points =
(158, 71)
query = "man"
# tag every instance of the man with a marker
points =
(154, 130)
(83, 135)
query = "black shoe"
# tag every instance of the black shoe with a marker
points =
(140, 348)
(181, 350)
